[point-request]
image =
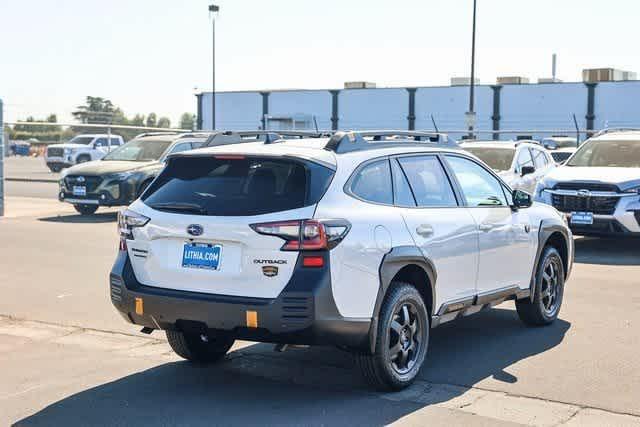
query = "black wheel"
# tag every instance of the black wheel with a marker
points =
(86, 209)
(548, 291)
(401, 342)
(199, 348)
(83, 159)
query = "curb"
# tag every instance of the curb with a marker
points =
(47, 180)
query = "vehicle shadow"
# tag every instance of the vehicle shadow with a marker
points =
(97, 218)
(314, 386)
(607, 251)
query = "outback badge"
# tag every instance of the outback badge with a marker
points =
(270, 270)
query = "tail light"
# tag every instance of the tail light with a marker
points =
(306, 235)
(127, 221)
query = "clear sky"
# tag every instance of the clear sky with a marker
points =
(149, 55)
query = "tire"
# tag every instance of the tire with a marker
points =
(86, 209)
(83, 159)
(55, 168)
(548, 292)
(192, 348)
(400, 347)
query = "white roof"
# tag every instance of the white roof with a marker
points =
(630, 135)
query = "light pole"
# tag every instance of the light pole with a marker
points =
(471, 115)
(213, 10)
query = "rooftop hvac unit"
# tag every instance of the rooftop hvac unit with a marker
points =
(359, 85)
(607, 75)
(512, 80)
(463, 81)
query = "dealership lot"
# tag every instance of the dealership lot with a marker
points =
(68, 355)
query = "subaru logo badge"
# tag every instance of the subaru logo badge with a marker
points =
(584, 193)
(80, 179)
(195, 230)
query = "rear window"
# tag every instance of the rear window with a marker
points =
(237, 186)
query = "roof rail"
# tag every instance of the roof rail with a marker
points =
(528, 141)
(345, 142)
(159, 133)
(203, 134)
(612, 130)
(270, 136)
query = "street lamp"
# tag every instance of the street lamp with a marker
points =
(213, 10)
(471, 114)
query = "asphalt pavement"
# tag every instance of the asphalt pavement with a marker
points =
(67, 357)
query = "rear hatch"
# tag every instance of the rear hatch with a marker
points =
(199, 238)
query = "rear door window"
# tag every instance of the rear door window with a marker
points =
(373, 183)
(430, 185)
(237, 186)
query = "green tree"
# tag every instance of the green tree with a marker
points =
(164, 122)
(96, 110)
(152, 120)
(138, 120)
(187, 121)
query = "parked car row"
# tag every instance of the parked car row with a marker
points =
(596, 188)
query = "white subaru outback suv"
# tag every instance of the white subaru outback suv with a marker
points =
(361, 243)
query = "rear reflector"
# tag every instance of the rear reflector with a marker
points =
(252, 319)
(313, 261)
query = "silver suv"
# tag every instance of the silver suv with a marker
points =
(598, 188)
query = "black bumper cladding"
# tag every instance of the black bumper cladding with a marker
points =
(303, 313)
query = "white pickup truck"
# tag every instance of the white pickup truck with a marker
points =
(82, 148)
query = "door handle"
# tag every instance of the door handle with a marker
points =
(425, 230)
(486, 227)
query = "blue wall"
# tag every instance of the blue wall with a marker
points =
(522, 107)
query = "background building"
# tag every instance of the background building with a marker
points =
(501, 107)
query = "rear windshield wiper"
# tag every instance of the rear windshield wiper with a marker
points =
(180, 207)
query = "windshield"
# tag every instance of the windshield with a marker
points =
(139, 151)
(498, 158)
(84, 140)
(602, 153)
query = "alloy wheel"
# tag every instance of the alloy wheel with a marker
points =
(405, 332)
(550, 287)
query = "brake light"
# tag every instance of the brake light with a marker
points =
(127, 221)
(306, 235)
(229, 157)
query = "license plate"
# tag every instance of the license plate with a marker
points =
(201, 256)
(582, 218)
(79, 190)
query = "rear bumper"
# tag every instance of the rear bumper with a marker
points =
(303, 313)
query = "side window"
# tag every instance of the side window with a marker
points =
(184, 146)
(373, 183)
(524, 159)
(429, 183)
(402, 195)
(115, 142)
(101, 142)
(539, 158)
(480, 188)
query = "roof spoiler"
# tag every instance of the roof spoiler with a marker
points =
(345, 142)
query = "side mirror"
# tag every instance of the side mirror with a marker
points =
(550, 145)
(527, 170)
(521, 199)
